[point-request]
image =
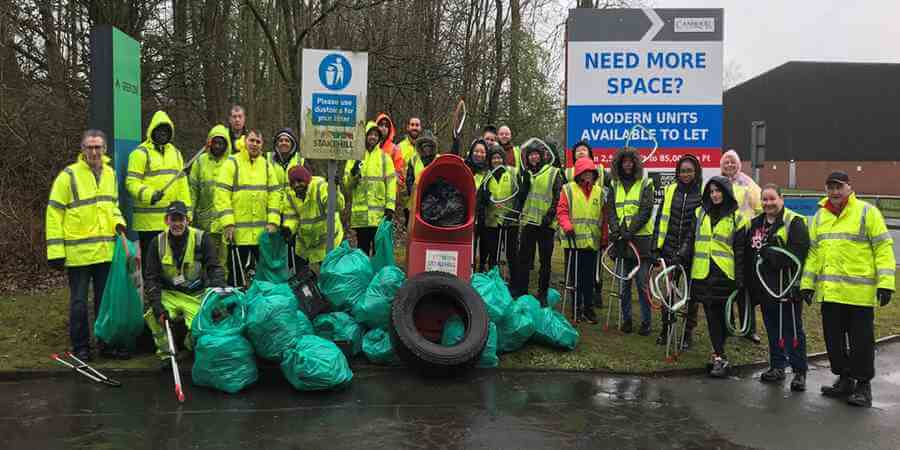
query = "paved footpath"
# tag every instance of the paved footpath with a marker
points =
(488, 409)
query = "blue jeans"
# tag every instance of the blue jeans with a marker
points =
(79, 280)
(641, 278)
(778, 357)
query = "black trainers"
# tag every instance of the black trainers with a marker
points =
(627, 327)
(645, 329)
(719, 367)
(687, 342)
(798, 384)
(862, 395)
(589, 316)
(84, 355)
(661, 339)
(843, 387)
(772, 375)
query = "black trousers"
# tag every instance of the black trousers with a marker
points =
(715, 320)
(80, 278)
(541, 239)
(249, 255)
(365, 238)
(145, 237)
(841, 322)
(488, 241)
(584, 270)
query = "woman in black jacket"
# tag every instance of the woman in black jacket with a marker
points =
(779, 227)
(718, 258)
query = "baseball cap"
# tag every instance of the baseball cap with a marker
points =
(177, 207)
(838, 176)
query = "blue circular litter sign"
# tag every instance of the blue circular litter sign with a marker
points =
(335, 72)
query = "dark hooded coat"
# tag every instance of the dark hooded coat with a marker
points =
(774, 262)
(645, 211)
(682, 215)
(716, 287)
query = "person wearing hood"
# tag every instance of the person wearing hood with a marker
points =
(372, 184)
(674, 228)
(248, 201)
(82, 221)
(285, 155)
(305, 212)
(579, 210)
(477, 162)
(582, 149)
(425, 152)
(202, 181)
(150, 167)
(237, 133)
(747, 194)
(779, 227)
(540, 187)
(512, 155)
(408, 144)
(631, 205)
(717, 268)
(388, 131)
(499, 185)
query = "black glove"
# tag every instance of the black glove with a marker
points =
(389, 215)
(570, 234)
(739, 286)
(159, 312)
(626, 235)
(545, 222)
(286, 234)
(157, 196)
(807, 295)
(884, 296)
(794, 295)
(674, 261)
(619, 248)
(57, 263)
(354, 172)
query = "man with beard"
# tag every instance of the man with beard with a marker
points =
(408, 144)
(305, 211)
(512, 155)
(202, 181)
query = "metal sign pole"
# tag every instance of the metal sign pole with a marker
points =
(331, 205)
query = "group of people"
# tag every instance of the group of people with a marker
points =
(202, 230)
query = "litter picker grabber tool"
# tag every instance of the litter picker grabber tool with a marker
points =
(741, 329)
(783, 289)
(637, 129)
(500, 256)
(619, 278)
(673, 299)
(571, 288)
(237, 267)
(184, 171)
(71, 361)
(175, 374)
(459, 118)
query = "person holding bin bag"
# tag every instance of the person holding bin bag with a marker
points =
(776, 249)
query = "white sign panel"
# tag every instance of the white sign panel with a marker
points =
(334, 104)
(442, 261)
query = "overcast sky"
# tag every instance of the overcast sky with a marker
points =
(763, 34)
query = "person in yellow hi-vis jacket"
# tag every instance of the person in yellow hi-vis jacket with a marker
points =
(82, 220)
(248, 202)
(373, 190)
(180, 264)
(305, 211)
(850, 269)
(150, 168)
(202, 181)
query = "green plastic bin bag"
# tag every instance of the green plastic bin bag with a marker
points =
(492, 289)
(554, 330)
(515, 329)
(306, 327)
(223, 357)
(340, 328)
(553, 297)
(344, 276)
(374, 309)
(378, 348)
(121, 317)
(273, 259)
(272, 323)
(315, 364)
(531, 304)
(455, 330)
(384, 246)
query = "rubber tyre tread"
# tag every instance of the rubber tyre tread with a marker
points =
(423, 355)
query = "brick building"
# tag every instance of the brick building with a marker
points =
(824, 116)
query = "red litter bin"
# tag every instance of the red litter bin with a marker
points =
(443, 249)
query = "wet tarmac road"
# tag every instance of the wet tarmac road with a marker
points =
(393, 409)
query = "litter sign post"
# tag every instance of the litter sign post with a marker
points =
(646, 76)
(333, 109)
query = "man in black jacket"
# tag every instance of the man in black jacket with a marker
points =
(674, 222)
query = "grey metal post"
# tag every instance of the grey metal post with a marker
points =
(757, 147)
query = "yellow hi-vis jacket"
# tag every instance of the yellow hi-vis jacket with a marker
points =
(629, 203)
(408, 150)
(374, 190)
(584, 214)
(307, 219)
(499, 214)
(850, 256)
(281, 173)
(202, 181)
(716, 243)
(149, 169)
(82, 214)
(248, 196)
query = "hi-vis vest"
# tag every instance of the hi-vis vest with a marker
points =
(82, 214)
(281, 173)
(717, 243)
(203, 190)
(408, 149)
(248, 196)
(307, 219)
(374, 191)
(850, 256)
(191, 268)
(584, 213)
(500, 190)
(540, 196)
(784, 232)
(628, 204)
(418, 166)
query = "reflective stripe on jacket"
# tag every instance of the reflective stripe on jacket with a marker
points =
(307, 219)
(717, 243)
(584, 215)
(373, 191)
(629, 203)
(248, 196)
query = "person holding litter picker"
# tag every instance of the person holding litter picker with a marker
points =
(631, 208)
(578, 212)
(717, 269)
(776, 248)
(180, 264)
